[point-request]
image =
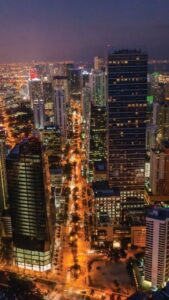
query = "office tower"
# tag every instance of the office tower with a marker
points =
(162, 121)
(106, 201)
(98, 136)
(158, 110)
(48, 102)
(37, 101)
(32, 220)
(85, 78)
(35, 90)
(98, 63)
(157, 250)
(5, 219)
(51, 139)
(157, 130)
(60, 110)
(127, 94)
(156, 87)
(86, 107)
(86, 103)
(3, 181)
(151, 128)
(106, 216)
(39, 113)
(61, 82)
(75, 82)
(98, 83)
(159, 171)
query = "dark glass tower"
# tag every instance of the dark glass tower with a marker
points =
(127, 92)
(29, 205)
(3, 182)
(98, 136)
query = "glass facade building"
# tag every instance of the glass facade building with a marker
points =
(3, 182)
(29, 205)
(127, 92)
(98, 135)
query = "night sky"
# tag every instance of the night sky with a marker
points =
(81, 29)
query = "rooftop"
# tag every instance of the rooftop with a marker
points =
(100, 166)
(28, 146)
(158, 213)
(102, 189)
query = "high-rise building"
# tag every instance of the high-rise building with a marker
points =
(162, 132)
(98, 82)
(3, 181)
(51, 139)
(157, 247)
(35, 90)
(75, 82)
(86, 106)
(5, 219)
(39, 113)
(61, 82)
(127, 94)
(98, 136)
(37, 102)
(98, 63)
(48, 102)
(29, 190)
(106, 201)
(60, 111)
(157, 188)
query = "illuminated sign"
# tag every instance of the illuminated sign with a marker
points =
(150, 99)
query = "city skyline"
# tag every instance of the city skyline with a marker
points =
(84, 156)
(84, 150)
(79, 29)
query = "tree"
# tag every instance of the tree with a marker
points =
(67, 169)
(75, 218)
(67, 148)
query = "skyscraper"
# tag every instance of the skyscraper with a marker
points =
(3, 182)
(60, 110)
(157, 247)
(37, 102)
(51, 139)
(39, 113)
(28, 188)
(5, 219)
(75, 82)
(48, 101)
(35, 90)
(99, 63)
(98, 136)
(98, 82)
(127, 92)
